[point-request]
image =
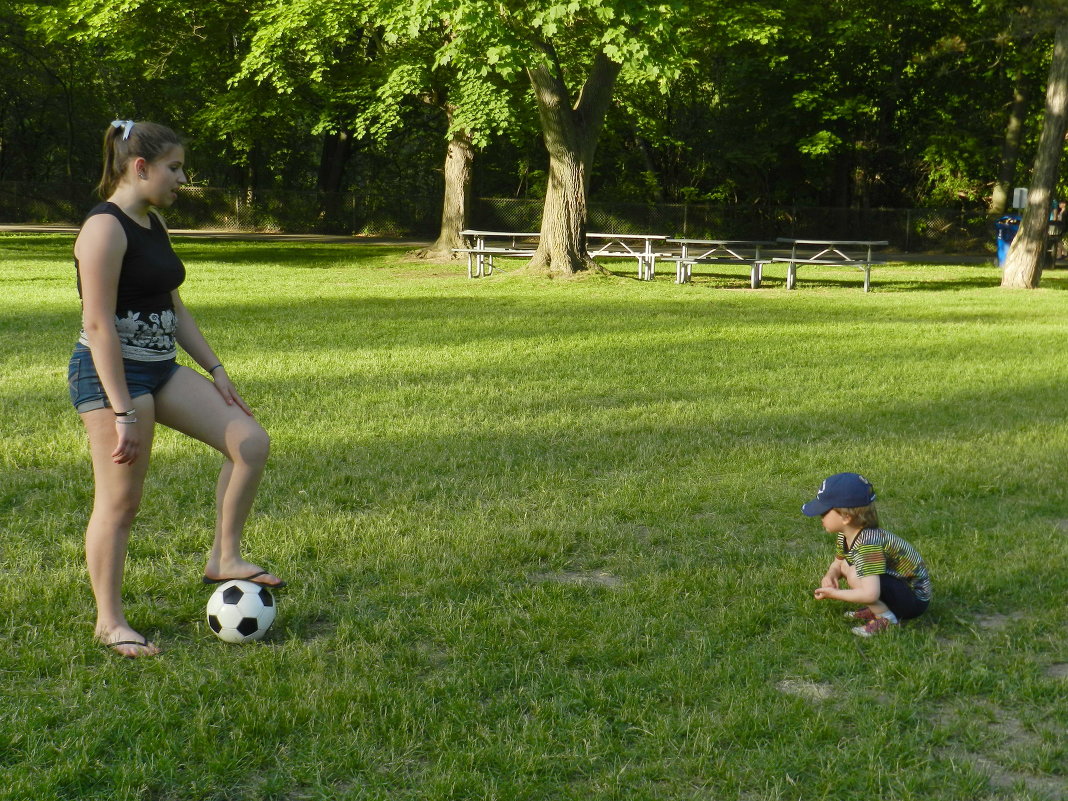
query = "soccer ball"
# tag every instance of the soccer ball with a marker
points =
(240, 611)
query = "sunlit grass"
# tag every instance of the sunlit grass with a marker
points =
(544, 538)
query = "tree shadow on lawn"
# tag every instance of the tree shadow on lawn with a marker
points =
(687, 320)
(335, 255)
(38, 246)
(322, 255)
(517, 440)
(983, 277)
(535, 432)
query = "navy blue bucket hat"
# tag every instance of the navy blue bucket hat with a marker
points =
(840, 491)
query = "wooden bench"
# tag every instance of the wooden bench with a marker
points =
(829, 252)
(718, 251)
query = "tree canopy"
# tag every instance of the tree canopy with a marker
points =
(846, 103)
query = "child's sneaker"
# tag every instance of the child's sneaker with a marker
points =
(863, 614)
(873, 627)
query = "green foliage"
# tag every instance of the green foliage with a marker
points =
(832, 104)
(849, 102)
(647, 39)
(172, 61)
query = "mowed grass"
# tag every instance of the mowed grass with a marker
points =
(544, 538)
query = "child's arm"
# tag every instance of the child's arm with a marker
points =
(864, 590)
(833, 575)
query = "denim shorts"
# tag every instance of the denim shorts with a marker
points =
(86, 391)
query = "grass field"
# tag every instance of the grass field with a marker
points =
(544, 539)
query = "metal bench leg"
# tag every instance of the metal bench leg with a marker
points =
(791, 275)
(470, 265)
(867, 277)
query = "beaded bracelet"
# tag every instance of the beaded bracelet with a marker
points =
(126, 413)
(213, 369)
(126, 421)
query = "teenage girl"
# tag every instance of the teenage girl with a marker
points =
(123, 376)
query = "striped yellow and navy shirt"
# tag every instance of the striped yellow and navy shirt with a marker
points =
(875, 552)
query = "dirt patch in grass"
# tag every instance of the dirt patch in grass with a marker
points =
(997, 621)
(1002, 780)
(591, 578)
(415, 274)
(1058, 670)
(1009, 735)
(813, 690)
(322, 628)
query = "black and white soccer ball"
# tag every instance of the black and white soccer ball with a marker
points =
(240, 611)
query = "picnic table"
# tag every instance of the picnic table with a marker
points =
(638, 246)
(1055, 236)
(518, 244)
(845, 253)
(718, 251)
(480, 257)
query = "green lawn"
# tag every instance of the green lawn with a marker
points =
(544, 539)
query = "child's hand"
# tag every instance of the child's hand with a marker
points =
(823, 593)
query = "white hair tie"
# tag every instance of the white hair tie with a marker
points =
(126, 125)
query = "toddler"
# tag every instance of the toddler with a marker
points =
(881, 570)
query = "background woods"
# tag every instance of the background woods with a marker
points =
(419, 108)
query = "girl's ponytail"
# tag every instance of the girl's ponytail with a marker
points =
(112, 175)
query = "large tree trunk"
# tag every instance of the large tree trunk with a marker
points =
(1023, 267)
(1010, 149)
(459, 156)
(335, 154)
(570, 133)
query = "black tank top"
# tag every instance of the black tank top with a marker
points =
(144, 309)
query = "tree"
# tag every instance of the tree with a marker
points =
(309, 43)
(475, 107)
(573, 54)
(1023, 267)
(172, 61)
(571, 130)
(1010, 148)
(51, 87)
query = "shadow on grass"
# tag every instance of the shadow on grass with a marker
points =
(444, 320)
(984, 277)
(318, 255)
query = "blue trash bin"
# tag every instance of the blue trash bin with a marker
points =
(1006, 227)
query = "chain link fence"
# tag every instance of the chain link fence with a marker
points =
(274, 211)
(264, 211)
(907, 230)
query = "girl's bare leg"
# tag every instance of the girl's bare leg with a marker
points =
(190, 404)
(117, 496)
